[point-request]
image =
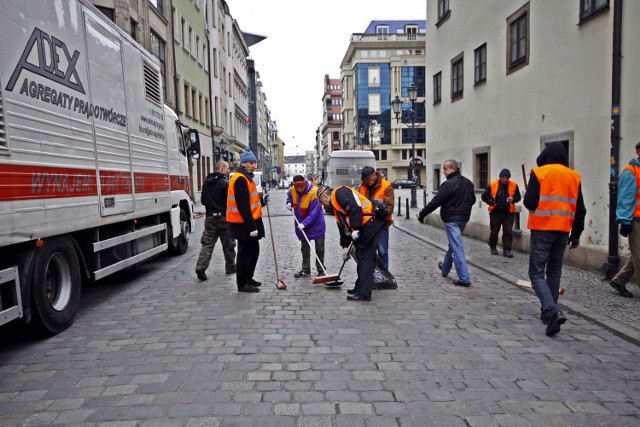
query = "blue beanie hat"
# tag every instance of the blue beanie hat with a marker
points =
(248, 156)
(505, 172)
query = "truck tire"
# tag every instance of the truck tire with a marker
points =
(179, 245)
(55, 286)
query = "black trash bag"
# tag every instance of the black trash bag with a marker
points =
(382, 278)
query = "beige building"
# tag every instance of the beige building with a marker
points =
(529, 74)
(380, 64)
(330, 131)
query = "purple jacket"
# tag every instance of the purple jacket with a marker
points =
(308, 211)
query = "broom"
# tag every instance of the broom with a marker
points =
(280, 284)
(326, 279)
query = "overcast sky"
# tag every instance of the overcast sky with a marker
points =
(307, 39)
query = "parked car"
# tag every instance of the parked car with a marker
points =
(405, 183)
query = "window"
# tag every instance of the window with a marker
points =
(106, 11)
(194, 105)
(382, 29)
(518, 39)
(158, 5)
(158, 50)
(437, 87)
(480, 67)
(187, 91)
(134, 29)
(184, 32)
(196, 49)
(436, 178)
(589, 8)
(457, 77)
(443, 12)
(481, 166)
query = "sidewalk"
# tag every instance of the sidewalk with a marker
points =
(587, 292)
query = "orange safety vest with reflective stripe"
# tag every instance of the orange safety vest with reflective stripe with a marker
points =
(636, 172)
(379, 194)
(559, 187)
(305, 200)
(363, 202)
(511, 191)
(233, 214)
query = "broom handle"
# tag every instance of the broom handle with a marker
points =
(310, 247)
(273, 244)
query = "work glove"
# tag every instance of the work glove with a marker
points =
(289, 207)
(301, 226)
(265, 199)
(626, 229)
(355, 234)
(254, 233)
(573, 242)
(345, 254)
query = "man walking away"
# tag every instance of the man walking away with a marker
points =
(375, 187)
(455, 198)
(244, 215)
(501, 196)
(628, 216)
(302, 199)
(214, 198)
(554, 199)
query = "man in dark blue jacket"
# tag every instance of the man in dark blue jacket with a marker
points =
(455, 198)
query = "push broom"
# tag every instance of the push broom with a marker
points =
(327, 280)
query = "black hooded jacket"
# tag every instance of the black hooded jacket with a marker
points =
(214, 192)
(554, 153)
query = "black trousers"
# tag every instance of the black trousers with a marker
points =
(366, 252)
(248, 254)
(504, 220)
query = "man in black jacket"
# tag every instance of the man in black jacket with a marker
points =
(501, 196)
(214, 199)
(455, 198)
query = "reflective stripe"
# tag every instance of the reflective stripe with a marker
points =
(554, 212)
(558, 199)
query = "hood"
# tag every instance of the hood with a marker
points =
(214, 177)
(553, 153)
(635, 162)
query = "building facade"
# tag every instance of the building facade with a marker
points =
(534, 73)
(329, 133)
(380, 64)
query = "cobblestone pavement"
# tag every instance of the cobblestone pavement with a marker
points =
(587, 292)
(157, 347)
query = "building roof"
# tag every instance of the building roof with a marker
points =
(397, 26)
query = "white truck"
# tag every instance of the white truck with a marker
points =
(93, 165)
(344, 167)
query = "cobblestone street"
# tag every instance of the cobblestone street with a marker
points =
(157, 347)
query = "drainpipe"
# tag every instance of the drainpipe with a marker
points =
(613, 259)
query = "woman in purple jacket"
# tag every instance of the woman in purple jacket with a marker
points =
(302, 199)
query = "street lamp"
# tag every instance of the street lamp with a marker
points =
(397, 110)
(361, 135)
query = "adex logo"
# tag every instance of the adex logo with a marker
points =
(48, 48)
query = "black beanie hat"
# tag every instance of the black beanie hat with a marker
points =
(367, 171)
(505, 172)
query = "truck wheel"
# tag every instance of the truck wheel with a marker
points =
(55, 286)
(179, 245)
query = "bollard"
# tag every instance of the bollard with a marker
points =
(424, 197)
(399, 206)
(407, 207)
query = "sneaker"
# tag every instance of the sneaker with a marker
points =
(249, 288)
(622, 289)
(320, 274)
(201, 275)
(507, 254)
(301, 273)
(545, 319)
(440, 267)
(231, 270)
(494, 250)
(463, 284)
(255, 283)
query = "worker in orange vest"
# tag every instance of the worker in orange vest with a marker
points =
(375, 187)
(501, 196)
(554, 199)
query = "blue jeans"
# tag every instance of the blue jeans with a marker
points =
(455, 254)
(546, 250)
(383, 247)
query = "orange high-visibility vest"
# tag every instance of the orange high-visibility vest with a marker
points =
(636, 172)
(305, 200)
(379, 194)
(363, 202)
(559, 187)
(233, 214)
(511, 190)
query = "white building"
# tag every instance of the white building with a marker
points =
(505, 77)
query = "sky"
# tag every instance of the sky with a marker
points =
(307, 39)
